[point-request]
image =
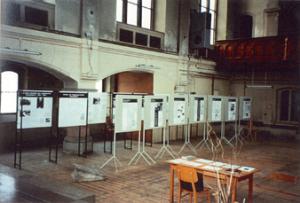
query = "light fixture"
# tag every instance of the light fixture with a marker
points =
(8, 50)
(259, 86)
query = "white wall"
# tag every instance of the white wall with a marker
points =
(87, 63)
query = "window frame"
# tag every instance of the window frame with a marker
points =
(43, 6)
(208, 9)
(139, 13)
(278, 105)
(18, 87)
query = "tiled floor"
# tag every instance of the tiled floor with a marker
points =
(277, 180)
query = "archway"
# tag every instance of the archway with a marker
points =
(130, 82)
(22, 64)
(30, 76)
(138, 82)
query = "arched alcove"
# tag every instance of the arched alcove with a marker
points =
(21, 65)
(129, 81)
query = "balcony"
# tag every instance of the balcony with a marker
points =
(263, 53)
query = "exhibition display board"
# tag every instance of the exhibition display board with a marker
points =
(127, 113)
(178, 110)
(97, 107)
(230, 108)
(245, 108)
(215, 113)
(72, 109)
(154, 112)
(197, 107)
(34, 109)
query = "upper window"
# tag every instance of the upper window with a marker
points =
(210, 7)
(135, 12)
(288, 105)
(9, 87)
(35, 14)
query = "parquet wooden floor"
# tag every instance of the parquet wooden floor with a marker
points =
(278, 162)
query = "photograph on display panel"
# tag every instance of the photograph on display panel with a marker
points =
(34, 109)
(232, 108)
(97, 107)
(246, 108)
(129, 114)
(179, 111)
(216, 109)
(156, 113)
(199, 108)
(72, 109)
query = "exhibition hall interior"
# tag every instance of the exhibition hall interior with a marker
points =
(150, 101)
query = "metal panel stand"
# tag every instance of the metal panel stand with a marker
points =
(141, 152)
(223, 138)
(114, 157)
(204, 141)
(187, 141)
(166, 147)
(18, 137)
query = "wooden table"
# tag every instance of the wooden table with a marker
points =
(223, 174)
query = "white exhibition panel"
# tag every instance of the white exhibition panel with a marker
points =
(197, 109)
(34, 109)
(230, 108)
(215, 109)
(72, 109)
(155, 112)
(97, 107)
(245, 108)
(128, 113)
(178, 110)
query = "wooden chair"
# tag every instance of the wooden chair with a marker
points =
(191, 182)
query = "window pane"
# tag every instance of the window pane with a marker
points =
(8, 102)
(204, 3)
(212, 5)
(213, 19)
(284, 105)
(9, 86)
(36, 16)
(295, 106)
(146, 18)
(132, 14)
(212, 37)
(133, 1)
(120, 10)
(203, 9)
(147, 3)
(9, 81)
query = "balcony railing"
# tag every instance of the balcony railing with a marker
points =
(266, 51)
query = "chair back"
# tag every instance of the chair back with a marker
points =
(186, 174)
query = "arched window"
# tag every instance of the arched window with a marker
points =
(9, 87)
(288, 104)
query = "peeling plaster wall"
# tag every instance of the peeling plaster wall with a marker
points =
(171, 23)
(67, 16)
(107, 19)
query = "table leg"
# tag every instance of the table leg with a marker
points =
(250, 189)
(171, 184)
(234, 190)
